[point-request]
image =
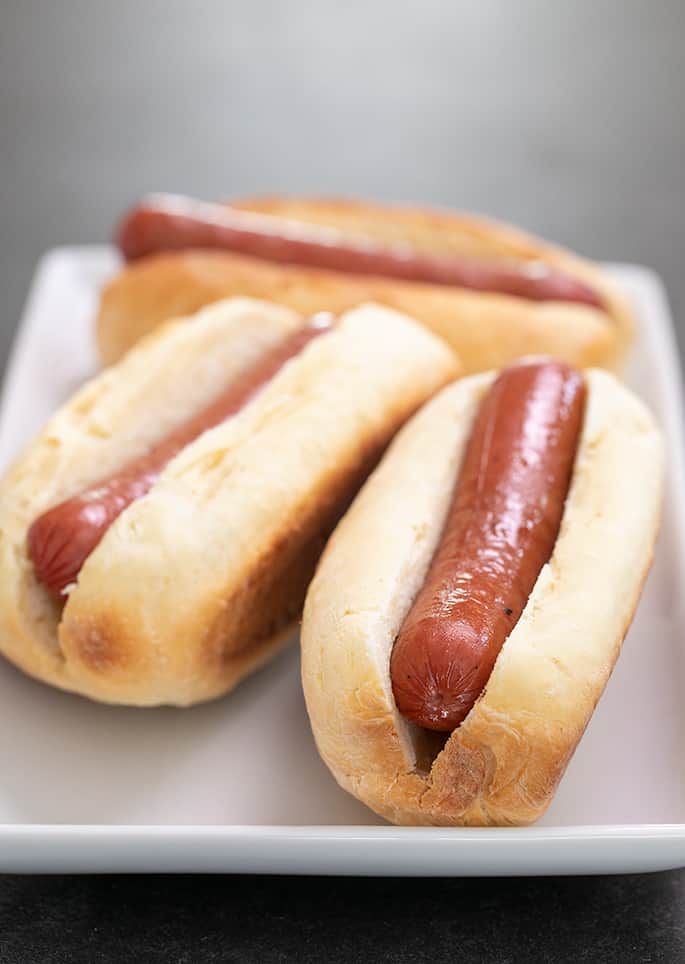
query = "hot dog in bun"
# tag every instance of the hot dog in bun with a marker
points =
(491, 291)
(469, 608)
(157, 538)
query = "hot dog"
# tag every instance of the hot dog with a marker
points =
(493, 293)
(61, 539)
(200, 576)
(168, 223)
(500, 531)
(512, 725)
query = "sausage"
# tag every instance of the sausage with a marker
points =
(164, 223)
(501, 529)
(61, 539)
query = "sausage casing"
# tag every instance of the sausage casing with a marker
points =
(500, 530)
(61, 539)
(168, 223)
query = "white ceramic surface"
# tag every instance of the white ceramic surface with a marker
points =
(237, 785)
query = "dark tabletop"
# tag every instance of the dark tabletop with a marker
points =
(565, 118)
(184, 920)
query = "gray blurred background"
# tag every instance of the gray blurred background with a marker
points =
(564, 117)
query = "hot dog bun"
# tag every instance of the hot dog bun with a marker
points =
(487, 329)
(200, 580)
(503, 764)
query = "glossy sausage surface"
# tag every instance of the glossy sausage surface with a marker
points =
(61, 539)
(166, 222)
(500, 530)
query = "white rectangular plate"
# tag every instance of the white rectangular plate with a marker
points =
(236, 785)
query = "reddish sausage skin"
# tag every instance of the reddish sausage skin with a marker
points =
(61, 539)
(165, 223)
(500, 530)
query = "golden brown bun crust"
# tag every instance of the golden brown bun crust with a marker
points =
(200, 580)
(503, 764)
(488, 330)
